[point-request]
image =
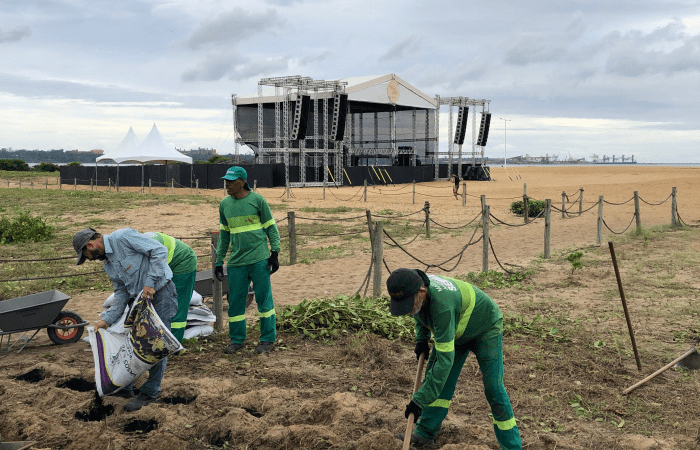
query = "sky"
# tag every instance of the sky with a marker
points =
(571, 78)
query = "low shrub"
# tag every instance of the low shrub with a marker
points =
(15, 165)
(74, 163)
(46, 167)
(536, 207)
(23, 228)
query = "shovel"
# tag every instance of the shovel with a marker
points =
(691, 363)
(416, 385)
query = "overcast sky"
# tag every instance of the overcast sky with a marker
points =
(573, 77)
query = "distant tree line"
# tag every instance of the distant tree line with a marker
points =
(73, 156)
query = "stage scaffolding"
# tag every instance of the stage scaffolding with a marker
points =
(375, 132)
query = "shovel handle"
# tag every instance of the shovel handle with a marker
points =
(663, 369)
(416, 385)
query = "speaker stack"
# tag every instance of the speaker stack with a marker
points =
(484, 129)
(301, 118)
(461, 125)
(340, 109)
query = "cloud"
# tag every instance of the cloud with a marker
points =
(15, 35)
(236, 67)
(232, 27)
(312, 59)
(399, 50)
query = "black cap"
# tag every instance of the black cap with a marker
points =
(81, 239)
(403, 284)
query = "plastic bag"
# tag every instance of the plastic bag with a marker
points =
(122, 359)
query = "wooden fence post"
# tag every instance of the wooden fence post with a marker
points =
(217, 288)
(172, 185)
(414, 192)
(547, 225)
(292, 230)
(149, 185)
(426, 208)
(599, 236)
(196, 183)
(580, 201)
(109, 185)
(464, 194)
(368, 213)
(90, 184)
(324, 189)
(485, 216)
(636, 211)
(483, 202)
(255, 185)
(674, 208)
(563, 205)
(378, 256)
(75, 184)
(526, 208)
(365, 191)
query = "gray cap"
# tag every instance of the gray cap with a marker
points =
(80, 239)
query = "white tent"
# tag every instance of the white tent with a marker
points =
(153, 149)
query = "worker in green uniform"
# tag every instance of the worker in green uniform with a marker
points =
(246, 225)
(183, 262)
(461, 318)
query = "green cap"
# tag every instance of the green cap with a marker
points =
(234, 173)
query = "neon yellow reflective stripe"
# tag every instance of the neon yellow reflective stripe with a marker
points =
(505, 425)
(269, 223)
(445, 347)
(178, 324)
(242, 224)
(468, 301)
(237, 318)
(169, 244)
(441, 403)
(268, 314)
(223, 227)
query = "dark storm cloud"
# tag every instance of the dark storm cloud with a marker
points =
(232, 27)
(14, 35)
(400, 50)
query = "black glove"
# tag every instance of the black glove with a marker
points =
(219, 273)
(272, 264)
(415, 409)
(422, 347)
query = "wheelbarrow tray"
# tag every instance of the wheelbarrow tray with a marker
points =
(31, 311)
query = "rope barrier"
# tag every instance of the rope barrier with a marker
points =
(330, 235)
(414, 237)
(397, 217)
(346, 200)
(656, 204)
(683, 221)
(332, 220)
(618, 204)
(499, 262)
(54, 276)
(38, 260)
(628, 226)
(518, 225)
(460, 227)
(366, 280)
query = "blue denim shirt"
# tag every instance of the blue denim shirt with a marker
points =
(133, 261)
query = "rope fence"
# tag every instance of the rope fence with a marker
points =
(379, 236)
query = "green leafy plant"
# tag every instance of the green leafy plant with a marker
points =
(494, 279)
(16, 165)
(575, 260)
(331, 318)
(46, 167)
(23, 228)
(538, 327)
(535, 208)
(74, 163)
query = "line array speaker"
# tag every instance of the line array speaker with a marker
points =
(301, 118)
(340, 110)
(484, 129)
(461, 125)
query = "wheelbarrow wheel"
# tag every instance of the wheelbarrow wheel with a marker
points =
(66, 335)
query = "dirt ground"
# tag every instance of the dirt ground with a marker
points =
(351, 395)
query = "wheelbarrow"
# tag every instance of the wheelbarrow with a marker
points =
(18, 445)
(38, 311)
(204, 285)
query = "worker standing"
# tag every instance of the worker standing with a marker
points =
(183, 262)
(455, 188)
(462, 319)
(246, 223)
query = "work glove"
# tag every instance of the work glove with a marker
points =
(219, 273)
(272, 264)
(422, 347)
(415, 409)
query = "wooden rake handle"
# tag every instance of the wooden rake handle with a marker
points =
(416, 385)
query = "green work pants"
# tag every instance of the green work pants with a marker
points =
(488, 349)
(184, 283)
(239, 278)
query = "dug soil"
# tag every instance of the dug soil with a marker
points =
(567, 353)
